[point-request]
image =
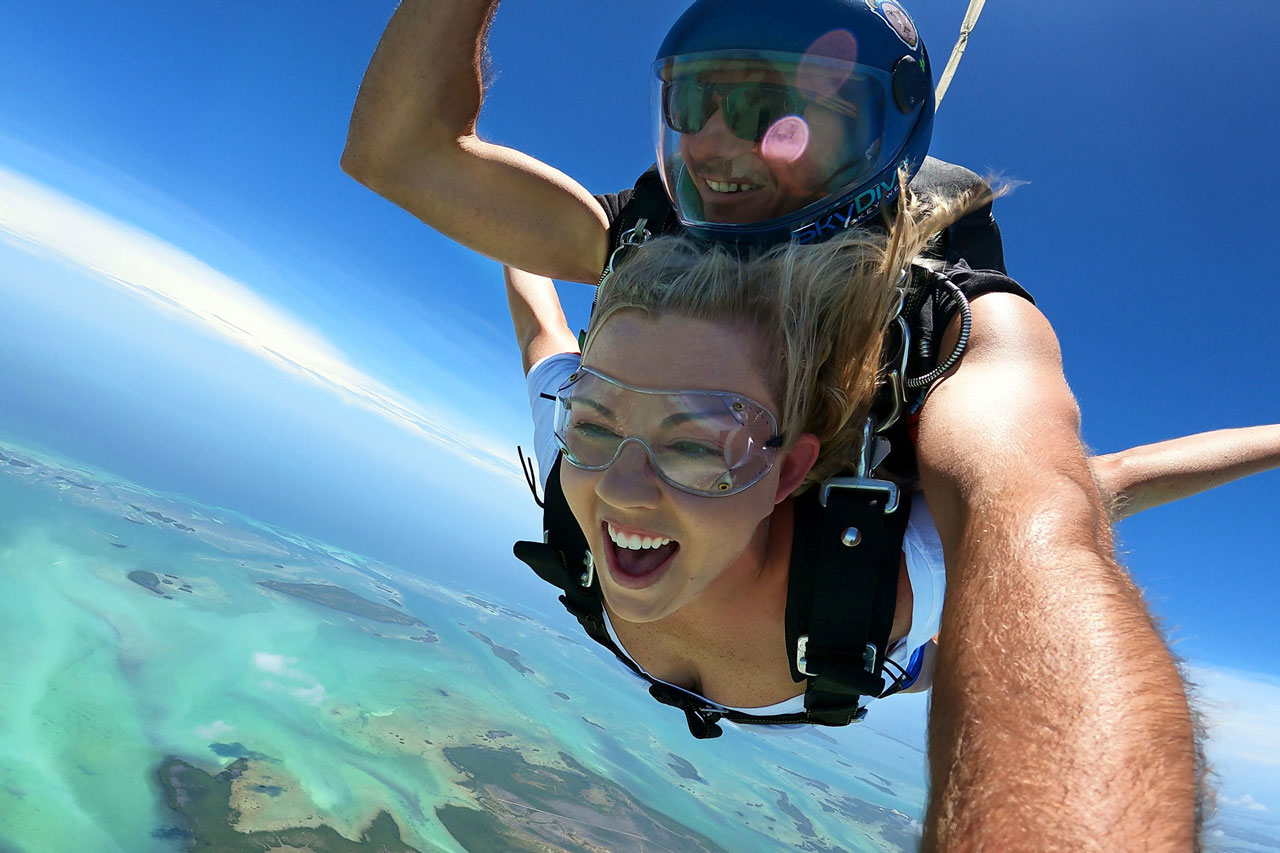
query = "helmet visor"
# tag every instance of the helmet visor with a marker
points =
(711, 443)
(755, 137)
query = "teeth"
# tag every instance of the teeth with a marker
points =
(726, 187)
(634, 542)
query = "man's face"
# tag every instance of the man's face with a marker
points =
(764, 149)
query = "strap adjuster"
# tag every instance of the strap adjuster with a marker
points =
(869, 656)
(862, 484)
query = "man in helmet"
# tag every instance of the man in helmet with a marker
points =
(807, 133)
(795, 135)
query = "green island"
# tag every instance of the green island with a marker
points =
(536, 808)
(203, 801)
(337, 598)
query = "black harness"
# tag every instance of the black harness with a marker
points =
(847, 542)
(841, 593)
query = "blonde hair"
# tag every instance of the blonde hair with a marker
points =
(820, 312)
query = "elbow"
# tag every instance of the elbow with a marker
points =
(387, 165)
(363, 163)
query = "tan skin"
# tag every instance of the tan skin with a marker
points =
(1002, 722)
(725, 641)
(1034, 598)
(713, 620)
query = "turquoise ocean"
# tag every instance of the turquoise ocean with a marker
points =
(141, 629)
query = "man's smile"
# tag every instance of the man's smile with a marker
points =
(731, 186)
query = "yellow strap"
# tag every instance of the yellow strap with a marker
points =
(953, 62)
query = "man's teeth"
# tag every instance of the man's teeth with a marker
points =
(635, 542)
(724, 187)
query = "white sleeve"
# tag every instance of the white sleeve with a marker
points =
(546, 377)
(926, 572)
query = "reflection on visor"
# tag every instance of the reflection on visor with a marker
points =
(747, 139)
(704, 442)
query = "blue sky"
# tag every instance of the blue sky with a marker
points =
(205, 140)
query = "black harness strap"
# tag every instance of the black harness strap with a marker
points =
(840, 609)
(841, 589)
(649, 203)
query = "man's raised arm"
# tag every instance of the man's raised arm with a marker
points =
(413, 140)
(1059, 720)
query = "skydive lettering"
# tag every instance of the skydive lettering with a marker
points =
(847, 216)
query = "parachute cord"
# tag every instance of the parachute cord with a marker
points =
(953, 61)
(526, 465)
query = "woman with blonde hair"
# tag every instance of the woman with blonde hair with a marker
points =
(691, 441)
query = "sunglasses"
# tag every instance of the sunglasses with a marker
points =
(749, 109)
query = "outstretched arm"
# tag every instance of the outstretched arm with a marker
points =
(1059, 720)
(1142, 477)
(413, 140)
(541, 328)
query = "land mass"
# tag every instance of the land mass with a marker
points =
(203, 802)
(537, 807)
(337, 598)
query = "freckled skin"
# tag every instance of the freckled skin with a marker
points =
(722, 539)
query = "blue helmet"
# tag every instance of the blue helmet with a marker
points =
(788, 121)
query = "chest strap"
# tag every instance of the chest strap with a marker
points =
(840, 599)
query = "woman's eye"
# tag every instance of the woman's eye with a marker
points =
(587, 429)
(695, 450)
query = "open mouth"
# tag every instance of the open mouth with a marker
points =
(730, 187)
(636, 560)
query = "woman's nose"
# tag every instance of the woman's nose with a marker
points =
(631, 481)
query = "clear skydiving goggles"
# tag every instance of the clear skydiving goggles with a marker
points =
(709, 443)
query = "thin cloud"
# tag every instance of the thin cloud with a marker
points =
(42, 221)
(1245, 802)
(1243, 711)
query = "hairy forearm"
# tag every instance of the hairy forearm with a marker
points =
(1059, 720)
(424, 84)
(1142, 477)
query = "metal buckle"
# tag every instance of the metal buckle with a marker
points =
(895, 377)
(802, 659)
(629, 240)
(869, 655)
(589, 576)
(863, 484)
(869, 658)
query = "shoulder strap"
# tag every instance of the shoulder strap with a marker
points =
(562, 558)
(975, 237)
(648, 202)
(842, 592)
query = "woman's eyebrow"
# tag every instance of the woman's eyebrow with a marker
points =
(682, 417)
(595, 404)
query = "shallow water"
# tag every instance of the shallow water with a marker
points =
(137, 630)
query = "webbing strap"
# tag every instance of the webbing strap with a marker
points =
(840, 611)
(841, 600)
(648, 202)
